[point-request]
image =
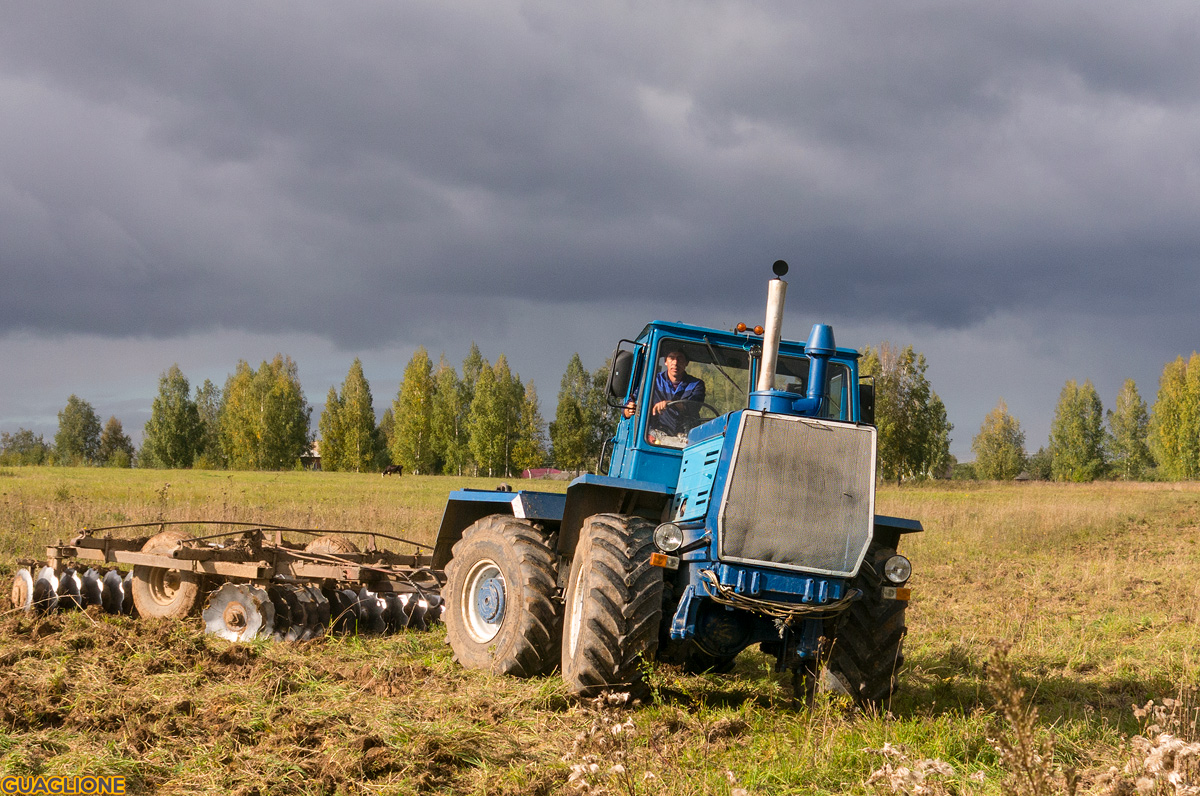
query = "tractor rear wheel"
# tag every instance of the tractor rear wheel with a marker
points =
(867, 637)
(501, 608)
(163, 593)
(613, 606)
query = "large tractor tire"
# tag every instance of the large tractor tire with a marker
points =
(866, 655)
(501, 608)
(613, 607)
(165, 593)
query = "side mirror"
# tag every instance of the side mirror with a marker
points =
(866, 402)
(618, 376)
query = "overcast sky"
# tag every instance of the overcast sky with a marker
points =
(1012, 187)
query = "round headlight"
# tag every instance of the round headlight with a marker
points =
(898, 570)
(668, 537)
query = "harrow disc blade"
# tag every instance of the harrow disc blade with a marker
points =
(437, 606)
(371, 612)
(308, 609)
(234, 612)
(393, 613)
(416, 610)
(321, 622)
(91, 590)
(45, 591)
(127, 606)
(69, 597)
(348, 619)
(112, 592)
(283, 611)
(22, 590)
(267, 608)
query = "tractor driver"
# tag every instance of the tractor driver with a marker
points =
(672, 385)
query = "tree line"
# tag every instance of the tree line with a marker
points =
(485, 421)
(1128, 442)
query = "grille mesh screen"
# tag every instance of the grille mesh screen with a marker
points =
(800, 494)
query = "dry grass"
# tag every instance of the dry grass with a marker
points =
(1091, 588)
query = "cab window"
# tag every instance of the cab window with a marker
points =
(791, 375)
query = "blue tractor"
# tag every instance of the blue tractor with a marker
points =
(737, 512)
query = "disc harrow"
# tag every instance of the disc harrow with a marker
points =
(247, 581)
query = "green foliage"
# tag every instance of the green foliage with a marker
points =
(329, 426)
(572, 431)
(387, 430)
(529, 450)
(914, 432)
(604, 418)
(486, 424)
(449, 421)
(116, 449)
(1175, 420)
(350, 439)
(412, 438)
(1040, 465)
(1129, 428)
(78, 438)
(1077, 439)
(472, 366)
(208, 406)
(999, 446)
(23, 448)
(512, 394)
(174, 432)
(962, 471)
(264, 417)
(360, 436)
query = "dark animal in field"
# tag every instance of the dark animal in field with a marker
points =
(393, 469)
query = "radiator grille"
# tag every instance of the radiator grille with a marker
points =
(800, 494)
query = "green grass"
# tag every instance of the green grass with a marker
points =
(1092, 588)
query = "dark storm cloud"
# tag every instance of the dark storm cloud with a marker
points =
(174, 167)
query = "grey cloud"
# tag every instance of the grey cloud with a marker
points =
(322, 167)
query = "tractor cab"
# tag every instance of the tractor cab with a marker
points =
(650, 437)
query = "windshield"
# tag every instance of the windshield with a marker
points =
(692, 383)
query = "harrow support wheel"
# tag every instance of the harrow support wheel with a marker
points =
(501, 611)
(165, 593)
(613, 606)
(331, 544)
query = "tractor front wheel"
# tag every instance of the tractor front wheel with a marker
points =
(866, 654)
(613, 606)
(501, 612)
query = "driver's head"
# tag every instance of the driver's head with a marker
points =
(676, 364)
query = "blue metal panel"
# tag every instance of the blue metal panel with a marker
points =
(625, 483)
(696, 473)
(525, 503)
(772, 584)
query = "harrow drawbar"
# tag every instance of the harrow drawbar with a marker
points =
(246, 580)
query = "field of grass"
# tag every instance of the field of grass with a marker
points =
(1075, 601)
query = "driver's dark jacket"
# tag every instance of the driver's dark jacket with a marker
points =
(681, 417)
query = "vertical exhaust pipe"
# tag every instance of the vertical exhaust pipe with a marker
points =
(776, 291)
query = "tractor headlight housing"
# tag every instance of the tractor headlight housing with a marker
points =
(897, 570)
(668, 537)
